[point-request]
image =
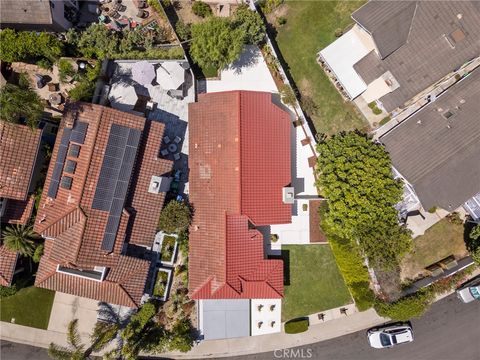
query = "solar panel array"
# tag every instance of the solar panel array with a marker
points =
(78, 132)
(57, 169)
(114, 178)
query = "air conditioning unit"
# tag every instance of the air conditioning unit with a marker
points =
(288, 195)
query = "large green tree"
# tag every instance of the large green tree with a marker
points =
(20, 239)
(355, 175)
(215, 43)
(250, 23)
(17, 102)
(175, 217)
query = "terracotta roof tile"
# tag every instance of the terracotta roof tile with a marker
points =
(8, 261)
(77, 229)
(239, 162)
(18, 211)
(18, 150)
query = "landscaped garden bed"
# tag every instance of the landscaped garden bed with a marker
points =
(168, 249)
(296, 326)
(162, 283)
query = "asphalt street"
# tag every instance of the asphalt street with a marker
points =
(450, 330)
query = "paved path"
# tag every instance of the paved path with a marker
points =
(448, 331)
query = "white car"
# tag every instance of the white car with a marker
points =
(390, 335)
(469, 292)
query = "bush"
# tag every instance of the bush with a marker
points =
(38, 253)
(44, 64)
(432, 210)
(250, 23)
(282, 20)
(406, 308)
(6, 291)
(454, 218)
(338, 32)
(184, 31)
(269, 5)
(201, 9)
(296, 326)
(385, 120)
(19, 102)
(65, 69)
(175, 217)
(85, 88)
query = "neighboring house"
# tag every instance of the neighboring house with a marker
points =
(398, 49)
(437, 150)
(19, 146)
(38, 15)
(240, 175)
(98, 207)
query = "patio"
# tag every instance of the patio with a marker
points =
(160, 91)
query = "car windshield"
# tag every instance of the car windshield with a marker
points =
(385, 340)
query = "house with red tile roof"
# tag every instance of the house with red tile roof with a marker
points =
(96, 204)
(19, 147)
(240, 175)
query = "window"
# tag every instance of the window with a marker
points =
(66, 182)
(97, 274)
(74, 150)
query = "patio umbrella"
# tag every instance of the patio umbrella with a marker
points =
(143, 72)
(170, 75)
(122, 96)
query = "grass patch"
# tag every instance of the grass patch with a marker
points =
(29, 306)
(441, 240)
(160, 283)
(168, 246)
(310, 26)
(314, 282)
(385, 120)
(296, 326)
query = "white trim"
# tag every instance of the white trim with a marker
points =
(102, 276)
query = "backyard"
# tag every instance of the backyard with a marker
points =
(168, 247)
(313, 281)
(160, 283)
(30, 306)
(310, 26)
(443, 239)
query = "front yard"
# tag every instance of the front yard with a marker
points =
(441, 240)
(310, 26)
(313, 281)
(30, 306)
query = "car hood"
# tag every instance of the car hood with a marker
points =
(374, 339)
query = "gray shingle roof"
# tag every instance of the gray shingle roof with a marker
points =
(430, 52)
(440, 154)
(25, 12)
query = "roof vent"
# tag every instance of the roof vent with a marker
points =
(288, 195)
(447, 114)
(159, 184)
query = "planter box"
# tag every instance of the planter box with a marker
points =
(162, 284)
(168, 250)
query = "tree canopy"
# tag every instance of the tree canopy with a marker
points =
(20, 102)
(175, 217)
(20, 239)
(250, 23)
(215, 43)
(355, 176)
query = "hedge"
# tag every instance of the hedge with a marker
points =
(296, 326)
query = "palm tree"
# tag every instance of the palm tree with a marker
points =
(20, 239)
(75, 350)
(17, 102)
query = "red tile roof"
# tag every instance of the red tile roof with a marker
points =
(239, 162)
(19, 146)
(18, 211)
(8, 261)
(77, 230)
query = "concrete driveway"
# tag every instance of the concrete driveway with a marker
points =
(67, 307)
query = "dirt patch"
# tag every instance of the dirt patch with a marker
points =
(390, 283)
(316, 233)
(280, 11)
(306, 87)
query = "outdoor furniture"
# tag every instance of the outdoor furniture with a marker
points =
(55, 99)
(164, 152)
(176, 156)
(119, 7)
(142, 4)
(177, 139)
(142, 14)
(143, 72)
(40, 80)
(172, 147)
(52, 87)
(166, 139)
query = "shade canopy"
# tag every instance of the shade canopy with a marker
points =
(170, 75)
(122, 96)
(143, 72)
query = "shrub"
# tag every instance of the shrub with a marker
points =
(38, 253)
(305, 207)
(282, 20)
(19, 102)
(201, 9)
(273, 238)
(338, 32)
(309, 105)
(250, 23)
(454, 218)
(44, 64)
(432, 210)
(385, 120)
(296, 326)
(175, 217)
(184, 31)
(406, 308)
(65, 69)
(269, 5)
(7, 291)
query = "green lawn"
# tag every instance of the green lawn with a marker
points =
(441, 240)
(310, 27)
(315, 283)
(30, 306)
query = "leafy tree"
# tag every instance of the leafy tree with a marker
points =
(215, 43)
(184, 31)
(201, 9)
(38, 253)
(96, 41)
(20, 238)
(17, 102)
(475, 232)
(474, 244)
(65, 69)
(406, 308)
(29, 45)
(355, 175)
(175, 217)
(250, 23)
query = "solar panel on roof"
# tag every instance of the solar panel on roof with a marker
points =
(70, 166)
(74, 150)
(79, 132)
(66, 182)
(115, 174)
(57, 170)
